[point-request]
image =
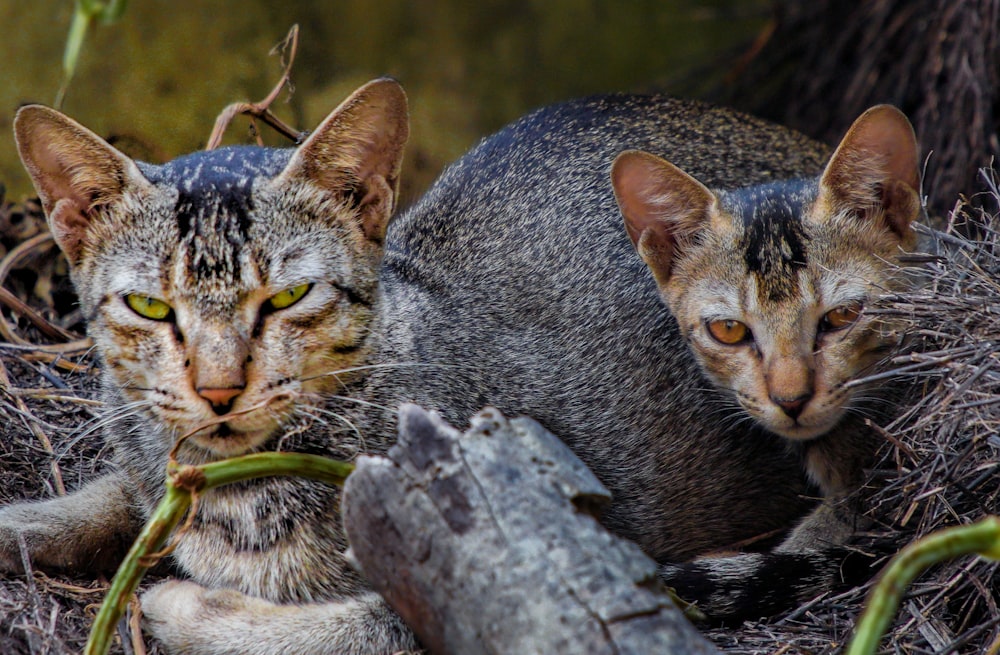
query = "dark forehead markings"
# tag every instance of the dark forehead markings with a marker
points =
(774, 242)
(214, 222)
(215, 201)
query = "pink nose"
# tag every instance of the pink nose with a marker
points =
(221, 399)
(792, 406)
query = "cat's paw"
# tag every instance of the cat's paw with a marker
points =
(23, 534)
(183, 601)
(87, 530)
(188, 618)
(10, 549)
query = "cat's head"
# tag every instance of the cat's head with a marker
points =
(225, 288)
(770, 284)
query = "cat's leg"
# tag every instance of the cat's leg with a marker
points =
(189, 619)
(813, 558)
(88, 530)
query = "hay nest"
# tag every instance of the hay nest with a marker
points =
(941, 465)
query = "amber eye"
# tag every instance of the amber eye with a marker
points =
(288, 297)
(148, 307)
(728, 331)
(841, 317)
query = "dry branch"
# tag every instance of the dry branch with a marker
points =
(262, 110)
(487, 542)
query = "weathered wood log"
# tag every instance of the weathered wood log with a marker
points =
(487, 542)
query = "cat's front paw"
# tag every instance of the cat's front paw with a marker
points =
(189, 619)
(10, 550)
(186, 618)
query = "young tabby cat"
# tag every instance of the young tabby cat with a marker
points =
(229, 294)
(709, 416)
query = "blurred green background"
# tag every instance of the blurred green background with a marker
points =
(158, 77)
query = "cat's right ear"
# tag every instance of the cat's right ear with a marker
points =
(75, 172)
(357, 153)
(662, 206)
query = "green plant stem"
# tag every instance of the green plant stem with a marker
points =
(84, 13)
(182, 481)
(78, 27)
(981, 538)
(168, 513)
(261, 465)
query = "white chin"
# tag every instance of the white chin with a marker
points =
(229, 443)
(801, 432)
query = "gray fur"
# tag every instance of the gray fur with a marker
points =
(514, 284)
(216, 236)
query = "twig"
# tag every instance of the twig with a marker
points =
(72, 588)
(33, 422)
(262, 109)
(50, 353)
(135, 625)
(56, 395)
(6, 265)
(36, 600)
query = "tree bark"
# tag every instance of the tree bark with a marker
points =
(819, 64)
(487, 542)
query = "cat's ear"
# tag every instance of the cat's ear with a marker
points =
(874, 174)
(662, 206)
(357, 152)
(75, 172)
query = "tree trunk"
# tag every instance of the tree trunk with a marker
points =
(821, 63)
(487, 542)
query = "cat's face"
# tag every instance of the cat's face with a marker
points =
(781, 321)
(769, 285)
(226, 291)
(249, 309)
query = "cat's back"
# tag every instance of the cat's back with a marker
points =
(549, 171)
(513, 283)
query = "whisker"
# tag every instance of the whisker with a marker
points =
(366, 403)
(368, 367)
(115, 415)
(343, 419)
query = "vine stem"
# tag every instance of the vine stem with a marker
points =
(183, 484)
(982, 538)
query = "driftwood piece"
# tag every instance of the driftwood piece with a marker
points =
(486, 542)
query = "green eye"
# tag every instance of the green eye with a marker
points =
(148, 307)
(288, 297)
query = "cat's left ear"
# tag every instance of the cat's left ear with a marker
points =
(357, 152)
(663, 208)
(75, 172)
(874, 173)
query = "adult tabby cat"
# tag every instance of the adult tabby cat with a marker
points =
(228, 293)
(235, 291)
